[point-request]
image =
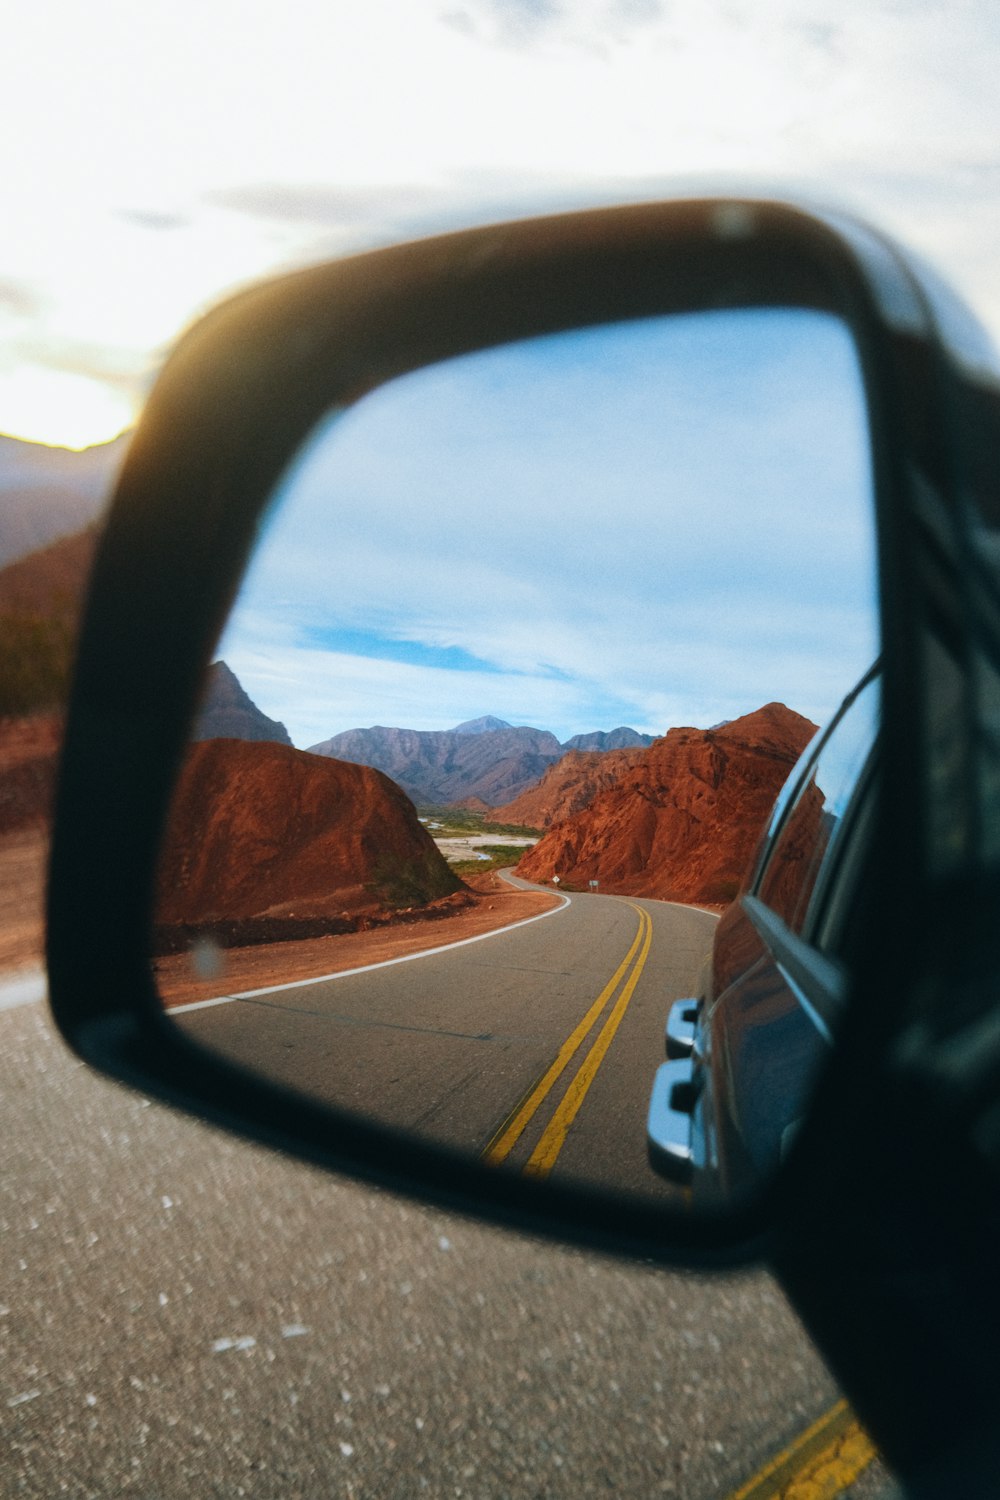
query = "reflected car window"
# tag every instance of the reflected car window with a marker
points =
(808, 834)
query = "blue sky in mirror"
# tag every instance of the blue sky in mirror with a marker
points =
(654, 524)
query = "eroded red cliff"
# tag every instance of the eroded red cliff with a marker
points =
(682, 821)
(567, 787)
(260, 830)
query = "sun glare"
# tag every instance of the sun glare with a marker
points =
(60, 409)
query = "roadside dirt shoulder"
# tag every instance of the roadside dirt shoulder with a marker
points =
(23, 857)
(496, 905)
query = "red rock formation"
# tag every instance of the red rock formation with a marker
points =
(262, 830)
(567, 787)
(682, 823)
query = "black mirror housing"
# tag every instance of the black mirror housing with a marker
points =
(237, 398)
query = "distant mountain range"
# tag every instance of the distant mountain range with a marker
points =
(49, 492)
(483, 763)
(611, 739)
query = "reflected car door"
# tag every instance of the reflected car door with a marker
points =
(776, 980)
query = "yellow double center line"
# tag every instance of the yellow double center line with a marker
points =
(819, 1465)
(543, 1157)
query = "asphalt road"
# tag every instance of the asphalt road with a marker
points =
(182, 1314)
(535, 1046)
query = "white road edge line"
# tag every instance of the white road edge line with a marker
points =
(298, 984)
(25, 988)
(31, 988)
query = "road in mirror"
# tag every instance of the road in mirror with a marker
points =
(531, 641)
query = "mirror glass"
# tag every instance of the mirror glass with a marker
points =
(529, 645)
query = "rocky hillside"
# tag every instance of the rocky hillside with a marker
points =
(50, 492)
(486, 724)
(482, 763)
(228, 713)
(259, 830)
(682, 823)
(567, 787)
(41, 596)
(40, 600)
(51, 579)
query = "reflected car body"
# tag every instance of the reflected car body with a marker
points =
(743, 1053)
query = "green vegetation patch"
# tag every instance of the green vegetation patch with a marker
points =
(499, 857)
(455, 822)
(400, 883)
(36, 656)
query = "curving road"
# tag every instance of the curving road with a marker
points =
(534, 1047)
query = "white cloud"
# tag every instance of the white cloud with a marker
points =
(699, 673)
(318, 693)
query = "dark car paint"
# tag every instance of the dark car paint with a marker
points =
(769, 994)
(761, 1050)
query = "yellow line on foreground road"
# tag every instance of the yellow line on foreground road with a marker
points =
(818, 1465)
(514, 1126)
(543, 1158)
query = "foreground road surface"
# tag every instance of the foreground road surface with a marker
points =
(535, 1047)
(182, 1315)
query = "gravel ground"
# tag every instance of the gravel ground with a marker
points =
(183, 1314)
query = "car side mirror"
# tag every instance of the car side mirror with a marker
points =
(644, 349)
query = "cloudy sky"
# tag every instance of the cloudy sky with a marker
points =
(153, 157)
(654, 524)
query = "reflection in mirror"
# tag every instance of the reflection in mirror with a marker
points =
(471, 920)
